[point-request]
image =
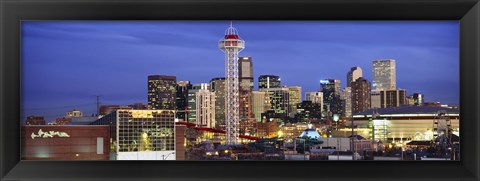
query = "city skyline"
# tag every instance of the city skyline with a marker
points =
(51, 49)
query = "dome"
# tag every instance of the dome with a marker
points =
(311, 133)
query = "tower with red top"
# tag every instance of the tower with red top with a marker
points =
(231, 45)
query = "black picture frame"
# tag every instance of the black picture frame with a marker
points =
(13, 11)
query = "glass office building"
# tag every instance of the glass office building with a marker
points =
(141, 134)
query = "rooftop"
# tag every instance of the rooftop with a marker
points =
(410, 110)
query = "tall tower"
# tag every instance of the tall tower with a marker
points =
(231, 45)
(384, 75)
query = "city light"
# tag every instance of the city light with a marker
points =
(195, 115)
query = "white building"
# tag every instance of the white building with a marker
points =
(315, 97)
(346, 96)
(258, 104)
(384, 75)
(205, 107)
(353, 74)
(295, 97)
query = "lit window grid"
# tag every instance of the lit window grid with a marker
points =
(131, 130)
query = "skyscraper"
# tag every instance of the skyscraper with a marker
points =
(162, 92)
(258, 104)
(346, 97)
(245, 70)
(218, 86)
(360, 95)
(205, 107)
(192, 101)
(332, 103)
(315, 97)
(353, 74)
(418, 99)
(384, 75)
(182, 99)
(279, 100)
(268, 81)
(295, 96)
(246, 86)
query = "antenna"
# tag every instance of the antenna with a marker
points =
(98, 105)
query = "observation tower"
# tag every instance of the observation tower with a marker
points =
(231, 45)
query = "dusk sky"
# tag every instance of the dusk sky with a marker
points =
(67, 63)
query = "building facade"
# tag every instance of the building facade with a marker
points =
(384, 75)
(218, 87)
(279, 100)
(397, 124)
(245, 73)
(192, 101)
(35, 120)
(418, 99)
(182, 99)
(258, 104)
(360, 95)
(353, 74)
(347, 101)
(332, 103)
(295, 96)
(205, 108)
(392, 98)
(268, 81)
(315, 97)
(162, 92)
(141, 134)
(65, 142)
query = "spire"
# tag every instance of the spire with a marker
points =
(231, 32)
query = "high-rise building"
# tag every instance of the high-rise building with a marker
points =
(258, 104)
(218, 86)
(375, 101)
(295, 96)
(205, 107)
(353, 74)
(141, 134)
(346, 97)
(332, 104)
(360, 95)
(279, 100)
(384, 75)
(162, 92)
(418, 99)
(388, 98)
(268, 81)
(192, 101)
(315, 97)
(245, 108)
(245, 71)
(308, 110)
(182, 99)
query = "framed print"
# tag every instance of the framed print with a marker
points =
(227, 90)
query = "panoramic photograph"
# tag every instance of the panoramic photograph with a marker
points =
(240, 90)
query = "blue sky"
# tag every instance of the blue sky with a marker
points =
(66, 63)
